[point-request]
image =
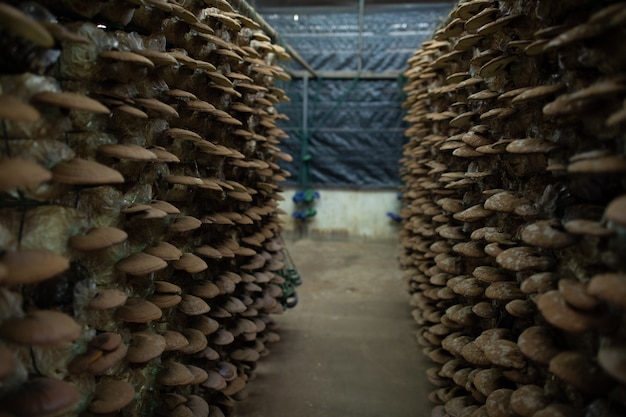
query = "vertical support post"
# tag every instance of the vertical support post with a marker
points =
(305, 169)
(359, 66)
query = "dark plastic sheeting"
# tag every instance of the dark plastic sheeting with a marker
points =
(354, 129)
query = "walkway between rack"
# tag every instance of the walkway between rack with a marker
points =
(348, 348)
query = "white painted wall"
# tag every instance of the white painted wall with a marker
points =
(346, 214)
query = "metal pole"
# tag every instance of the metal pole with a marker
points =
(304, 152)
(359, 66)
(248, 11)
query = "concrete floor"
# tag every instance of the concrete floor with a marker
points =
(348, 348)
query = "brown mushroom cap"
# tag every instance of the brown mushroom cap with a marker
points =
(137, 310)
(41, 328)
(12, 108)
(175, 374)
(185, 224)
(42, 397)
(140, 263)
(613, 360)
(580, 371)
(555, 310)
(523, 258)
(193, 306)
(538, 344)
(16, 22)
(71, 100)
(107, 298)
(610, 287)
(111, 396)
(27, 266)
(145, 346)
(547, 234)
(190, 263)
(19, 173)
(85, 172)
(197, 341)
(98, 238)
(109, 359)
(129, 152)
(165, 251)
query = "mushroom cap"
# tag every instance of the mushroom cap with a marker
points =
(555, 310)
(42, 397)
(547, 234)
(523, 258)
(206, 289)
(20, 24)
(79, 171)
(580, 371)
(613, 360)
(197, 341)
(206, 325)
(138, 310)
(165, 300)
(504, 353)
(127, 152)
(41, 328)
(140, 263)
(190, 263)
(70, 100)
(12, 108)
(616, 211)
(101, 365)
(185, 224)
(165, 287)
(107, 298)
(19, 173)
(174, 340)
(610, 287)
(98, 238)
(111, 396)
(145, 346)
(154, 104)
(174, 373)
(27, 266)
(165, 206)
(193, 306)
(126, 56)
(165, 251)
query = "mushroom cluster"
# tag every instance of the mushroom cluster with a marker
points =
(514, 203)
(140, 249)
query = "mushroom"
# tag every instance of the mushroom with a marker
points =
(192, 305)
(523, 258)
(190, 263)
(27, 266)
(106, 299)
(547, 234)
(579, 370)
(137, 310)
(42, 397)
(145, 346)
(140, 264)
(98, 238)
(85, 172)
(20, 173)
(175, 374)
(538, 344)
(612, 359)
(610, 288)
(41, 328)
(70, 100)
(111, 396)
(165, 251)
